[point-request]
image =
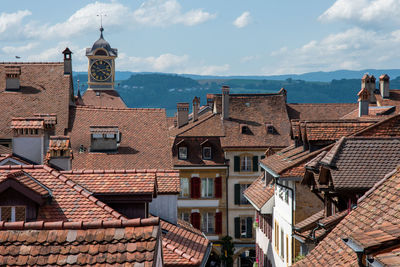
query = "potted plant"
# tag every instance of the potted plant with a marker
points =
(255, 264)
(255, 224)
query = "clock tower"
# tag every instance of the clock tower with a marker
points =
(101, 69)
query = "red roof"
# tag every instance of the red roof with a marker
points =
(259, 192)
(103, 98)
(378, 206)
(319, 111)
(70, 202)
(100, 243)
(44, 89)
(183, 246)
(144, 142)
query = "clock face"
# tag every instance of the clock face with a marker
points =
(100, 70)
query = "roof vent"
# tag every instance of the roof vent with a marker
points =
(13, 74)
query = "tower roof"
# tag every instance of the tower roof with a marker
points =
(102, 43)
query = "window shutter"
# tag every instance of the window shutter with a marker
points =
(262, 157)
(195, 219)
(195, 187)
(237, 194)
(236, 165)
(218, 223)
(237, 227)
(255, 163)
(218, 186)
(249, 227)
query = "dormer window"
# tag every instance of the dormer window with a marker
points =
(12, 213)
(270, 128)
(104, 138)
(182, 152)
(244, 129)
(207, 152)
(13, 74)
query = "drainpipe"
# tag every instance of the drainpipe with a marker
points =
(292, 194)
(226, 197)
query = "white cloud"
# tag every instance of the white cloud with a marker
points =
(355, 48)
(8, 20)
(167, 12)
(364, 12)
(243, 20)
(16, 50)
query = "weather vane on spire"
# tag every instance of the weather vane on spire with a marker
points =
(101, 22)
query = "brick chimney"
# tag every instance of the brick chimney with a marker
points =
(384, 85)
(59, 154)
(67, 61)
(196, 108)
(372, 87)
(210, 100)
(363, 102)
(225, 102)
(182, 114)
(13, 74)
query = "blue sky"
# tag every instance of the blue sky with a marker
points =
(235, 37)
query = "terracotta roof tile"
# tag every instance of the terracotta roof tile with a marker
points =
(103, 98)
(183, 246)
(144, 142)
(374, 113)
(69, 201)
(44, 89)
(133, 242)
(392, 100)
(310, 222)
(323, 111)
(378, 206)
(389, 258)
(259, 192)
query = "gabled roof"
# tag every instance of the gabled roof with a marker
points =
(44, 89)
(99, 243)
(182, 246)
(70, 202)
(358, 163)
(208, 124)
(259, 192)
(319, 111)
(103, 98)
(144, 142)
(256, 112)
(392, 100)
(386, 128)
(381, 204)
(374, 112)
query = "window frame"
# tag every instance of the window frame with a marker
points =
(183, 215)
(209, 219)
(13, 212)
(184, 153)
(182, 191)
(243, 187)
(246, 163)
(204, 154)
(208, 183)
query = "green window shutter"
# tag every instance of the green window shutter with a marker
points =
(237, 227)
(249, 227)
(236, 165)
(261, 158)
(255, 163)
(237, 194)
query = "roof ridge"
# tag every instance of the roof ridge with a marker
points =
(375, 124)
(119, 109)
(116, 171)
(33, 62)
(83, 191)
(42, 225)
(181, 253)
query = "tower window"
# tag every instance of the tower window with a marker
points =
(101, 52)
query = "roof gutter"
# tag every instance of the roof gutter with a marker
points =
(265, 167)
(357, 249)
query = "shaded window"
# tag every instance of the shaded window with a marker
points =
(184, 188)
(207, 152)
(182, 152)
(243, 200)
(12, 213)
(208, 222)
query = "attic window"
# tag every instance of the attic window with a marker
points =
(97, 93)
(245, 129)
(104, 138)
(270, 128)
(12, 77)
(207, 152)
(182, 152)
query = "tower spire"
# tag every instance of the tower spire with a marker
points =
(101, 24)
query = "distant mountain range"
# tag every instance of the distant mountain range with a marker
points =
(319, 76)
(165, 90)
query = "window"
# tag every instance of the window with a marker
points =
(12, 213)
(246, 227)
(207, 222)
(110, 136)
(245, 163)
(207, 187)
(207, 152)
(182, 152)
(284, 192)
(243, 227)
(185, 216)
(184, 187)
(97, 136)
(243, 200)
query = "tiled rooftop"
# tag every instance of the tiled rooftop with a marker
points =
(100, 243)
(258, 192)
(323, 111)
(380, 205)
(103, 98)
(144, 142)
(44, 89)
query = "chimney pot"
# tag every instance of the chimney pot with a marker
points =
(363, 102)
(196, 107)
(225, 102)
(384, 85)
